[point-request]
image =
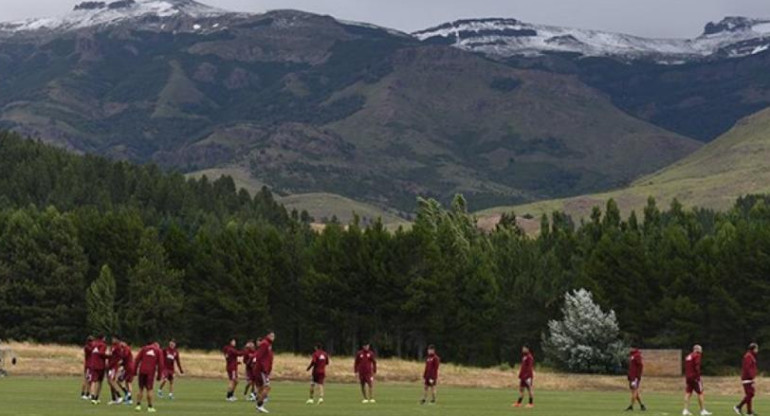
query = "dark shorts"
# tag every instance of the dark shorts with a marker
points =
(748, 388)
(367, 379)
(319, 378)
(430, 383)
(168, 375)
(232, 375)
(146, 381)
(693, 385)
(250, 374)
(262, 380)
(526, 383)
(95, 376)
(635, 383)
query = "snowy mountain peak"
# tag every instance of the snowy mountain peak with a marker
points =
(103, 13)
(505, 38)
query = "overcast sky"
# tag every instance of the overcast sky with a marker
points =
(652, 18)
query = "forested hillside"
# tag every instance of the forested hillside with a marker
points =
(202, 262)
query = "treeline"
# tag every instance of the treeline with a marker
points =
(201, 261)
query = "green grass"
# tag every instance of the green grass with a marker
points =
(59, 396)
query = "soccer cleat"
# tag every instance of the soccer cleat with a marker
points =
(85, 397)
(151, 410)
(321, 400)
(530, 406)
(138, 408)
(365, 401)
(644, 408)
(705, 412)
(261, 409)
(372, 401)
(686, 412)
(171, 396)
(309, 401)
(629, 409)
(94, 401)
(737, 410)
(517, 404)
(422, 402)
(160, 393)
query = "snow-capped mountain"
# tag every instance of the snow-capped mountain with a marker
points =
(504, 38)
(99, 13)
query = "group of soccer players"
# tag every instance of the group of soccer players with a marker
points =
(693, 382)
(119, 366)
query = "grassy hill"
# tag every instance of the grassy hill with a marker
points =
(733, 165)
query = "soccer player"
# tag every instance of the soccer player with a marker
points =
(231, 360)
(693, 381)
(128, 373)
(113, 368)
(248, 361)
(635, 368)
(170, 357)
(263, 366)
(526, 377)
(748, 374)
(365, 367)
(85, 389)
(96, 366)
(318, 364)
(430, 375)
(149, 368)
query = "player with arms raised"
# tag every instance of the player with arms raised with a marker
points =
(149, 366)
(318, 364)
(526, 377)
(693, 381)
(430, 375)
(365, 366)
(748, 374)
(635, 369)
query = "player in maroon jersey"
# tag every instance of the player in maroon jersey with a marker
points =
(365, 366)
(170, 359)
(113, 367)
(97, 362)
(318, 364)
(248, 362)
(263, 367)
(231, 359)
(430, 375)
(526, 377)
(127, 377)
(149, 368)
(748, 374)
(693, 381)
(85, 389)
(635, 369)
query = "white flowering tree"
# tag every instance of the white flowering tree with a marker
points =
(586, 340)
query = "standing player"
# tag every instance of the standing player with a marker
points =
(96, 366)
(263, 366)
(149, 368)
(748, 374)
(128, 373)
(170, 357)
(248, 362)
(365, 367)
(430, 375)
(113, 369)
(85, 389)
(635, 369)
(318, 364)
(526, 377)
(693, 381)
(231, 360)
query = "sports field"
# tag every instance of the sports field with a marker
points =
(25, 396)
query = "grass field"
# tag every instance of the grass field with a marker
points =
(25, 396)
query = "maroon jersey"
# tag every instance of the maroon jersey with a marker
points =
(87, 354)
(366, 363)
(127, 359)
(149, 360)
(97, 359)
(248, 357)
(527, 370)
(749, 372)
(319, 362)
(431, 367)
(692, 366)
(116, 353)
(264, 357)
(171, 357)
(635, 365)
(231, 357)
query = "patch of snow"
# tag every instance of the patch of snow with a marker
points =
(197, 27)
(762, 28)
(760, 49)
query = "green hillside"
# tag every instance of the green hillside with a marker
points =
(735, 164)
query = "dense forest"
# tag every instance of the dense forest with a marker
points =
(202, 261)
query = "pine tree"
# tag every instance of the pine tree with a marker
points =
(100, 304)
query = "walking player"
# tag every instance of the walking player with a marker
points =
(231, 359)
(526, 377)
(263, 367)
(170, 362)
(430, 375)
(318, 364)
(149, 368)
(635, 369)
(365, 367)
(693, 381)
(748, 374)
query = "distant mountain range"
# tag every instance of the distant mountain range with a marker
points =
(308, 104)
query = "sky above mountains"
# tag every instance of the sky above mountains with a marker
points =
(651, 18)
